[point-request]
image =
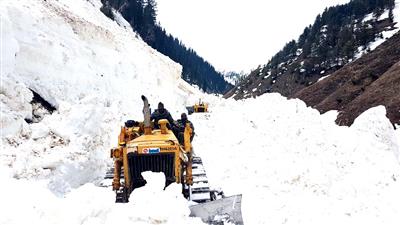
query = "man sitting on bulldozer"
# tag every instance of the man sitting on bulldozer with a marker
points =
(181, 128)
(161, 113)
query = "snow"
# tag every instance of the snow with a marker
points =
(95, 205)
(324, 77)
(324, 29)
(384, 15)
(385, 34)
(230, 80)
(398, 133)
(268, 75)
(295, 166)
(368, 17)
(93, 71)
(120, 20)
(396, 13)
(292, 164)
(232, 77)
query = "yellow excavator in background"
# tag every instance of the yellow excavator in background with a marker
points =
(199, 107)
(142, 148)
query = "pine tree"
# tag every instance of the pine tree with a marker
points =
(149, 18)
(150, 11)
(391, 16)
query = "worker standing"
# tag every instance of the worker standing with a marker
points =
(181, 127)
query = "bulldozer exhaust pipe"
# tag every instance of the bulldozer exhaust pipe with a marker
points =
(146, 114)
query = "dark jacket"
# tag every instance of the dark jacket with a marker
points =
(157, 115)
(181, 127)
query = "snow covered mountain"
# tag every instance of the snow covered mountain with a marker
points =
(367, 82)
(339, 35)
(70, 77)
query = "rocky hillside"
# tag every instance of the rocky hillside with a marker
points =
(340, 35)
(372, 80)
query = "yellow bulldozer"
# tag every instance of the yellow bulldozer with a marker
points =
(142, 148)
(200, 107)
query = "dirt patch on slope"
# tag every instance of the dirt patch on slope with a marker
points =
(350, 89)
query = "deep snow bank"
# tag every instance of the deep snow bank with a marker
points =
(295, 166)
(92, 70)
(94, 205)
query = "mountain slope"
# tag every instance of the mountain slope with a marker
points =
(340, 35)
(142, 17)
(369, 81)
(384, 91)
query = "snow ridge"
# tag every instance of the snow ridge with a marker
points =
(295, 166)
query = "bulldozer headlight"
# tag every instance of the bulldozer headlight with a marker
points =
(132, 148)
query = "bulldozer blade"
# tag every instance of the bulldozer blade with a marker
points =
(216, 212)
